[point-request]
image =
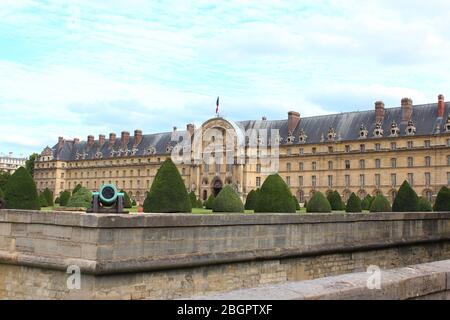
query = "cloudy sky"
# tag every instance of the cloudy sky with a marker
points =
(74, 68)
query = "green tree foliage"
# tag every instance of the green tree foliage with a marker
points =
(199, 203)
(305, 204)
(367, 202)
(318, 204)
(424, 205)
(168, 193)
(42, 200)
(81, 199)
(48, 194)
(443, 200)
(126, 200)
(335, 200)
(297, 205)
(353, 204)
(275, 196)
(210, 202)
(193, 199)
(250, 202)
(228, 201)
(57, 200)
(2, 195)
(20, 191)
(133, 203)
(406, 199)
(29, 164)
(64, 198)
(380, 204)
(75, 190)
(4, 177)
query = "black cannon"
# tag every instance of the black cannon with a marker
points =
(107, 200)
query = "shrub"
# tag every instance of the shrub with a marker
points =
(42, 200)
(168, 193)
(20, 191)
(133, 203)
(81, 199)
(335, 200)
(353, 204)
(228, 201)
(209, 203)
(367, 202)
(199, 204)
(64, 198)
(193, 199)
(2, 195)
(318, 204)
(250, 202)
(126, 200)
(443, 200)
(77, 187)
(57, 200)
(275, 196)
(406, 199)
(380, 204)
(297, 205)
(424, 205)
(305, 204)
(48, 194)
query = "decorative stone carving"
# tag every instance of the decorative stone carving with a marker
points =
(98, 155)
(331, 134)
(134, 151)
(447, 124)
(363, 132)
(169, 149)
(302, 137)
(378, 131)
(290, 139)
(410, 128)
(395, 130)
(150, 151)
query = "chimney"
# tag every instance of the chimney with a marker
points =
(101, 139)
(90, 140)
(441, 106)
(407, 109)
(76, 140)
(293, 121)
(379, 111)
(112, 139)
(137, 137)
(124, 138)
(60, 142)
(190, 128)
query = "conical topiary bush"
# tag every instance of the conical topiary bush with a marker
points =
(297, 205)
(20, 191)
(77, 187)
(250, 202)
(64, 198)
(380, 204)
(367, 202)
(168, 193)
(406, 199)
(335, 200)
(443, 200)
(126, 200)
(48, 194)
(275, 197)
(228, 201)
(318, 204)
(210, 202)
(42, 200)
(193, 199)
(353, 204)
(424, 205)
(81, 199)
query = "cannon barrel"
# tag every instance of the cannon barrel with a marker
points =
(108, 194)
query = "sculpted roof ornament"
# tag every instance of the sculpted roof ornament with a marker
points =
(447, 124)
(331, 134)
(378, 131)
(411, 128)
(395, 130)
(363, 132)
(302, 137)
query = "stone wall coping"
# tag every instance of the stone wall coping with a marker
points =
(152, 220)
(396, 284)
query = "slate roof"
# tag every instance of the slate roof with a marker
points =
(346, 125)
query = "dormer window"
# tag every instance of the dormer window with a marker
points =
(363, 133)
(411, 128)
(447, 124)
(150, 151)
(302, 136)
(169, 148)
(378, 131)
(290, 139)
(98, 155)
(395, 130)
(331, 134)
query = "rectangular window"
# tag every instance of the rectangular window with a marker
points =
(377, 181)
(301, 151)
(330, 165)
(288, 181)
(377, 163)
(427, 179)
(394, 163)
(448, 160)
(300, 181)
(289, 152)
(347, 181)
(393, 145)
(411, 179)
(330, 150)
(362, 147)
(347, 164)
(258, 181)
(313, 181)
(362, 164)
(300, 166)
(314, 150)
(288, 167)
(410, 144)
(314, 166)
(427, 144)
(377, 147)
(427, 161)
(258, 168)
(410, 162)
(362, 180)
(393, 180)
(448, 179)
(448, 142)
(330, 181)
(347, 149)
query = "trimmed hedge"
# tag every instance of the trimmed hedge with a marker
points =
(297, 205)
(133, 203)
(48, 194)
(228, 201)
(193, 199)
(380, 204)
(250, 202)
(81, 199)
(210, 202)
(406, 199)
(57, 200)
(367, 202)
(335, 200)
(275, 197)
(21, 192)
(126, 200)
(318, 204)
(42, 200)
(168, 193)
(424, 205)
(353, 204)
(443, 200)
(199, 203)
(75, 190)
(64, 198)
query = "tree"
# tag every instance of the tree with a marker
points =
(57, 200)
(168, 193)
(64, 198)
(2, 195)
(335, 200)
(193, 199)
(48, 194)
(133, 203)
(4, 177)
(250, 202)
(199, 203)
(228, 201)
(210, 202)
(126, 200)
(20, 191)
(75, 190)
(406, 199)
(424, 205)
(380, 204)
(42, 200)
(367, 202)
(353, 204)
(81, 199)
(443, 200)
(318, 204)
(29, 164)
(297, 205)
(275, 196)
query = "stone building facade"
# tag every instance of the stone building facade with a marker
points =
(9, 163)
(367, 152)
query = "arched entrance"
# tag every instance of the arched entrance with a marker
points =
(217, 186)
